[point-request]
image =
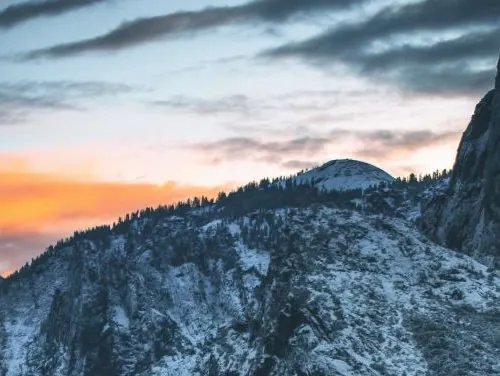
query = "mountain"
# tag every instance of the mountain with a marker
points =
(466, 216)
(345, 174)
(309, 291)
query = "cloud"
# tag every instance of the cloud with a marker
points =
(442, 47)
(432, 46)
(146, 30)
(243, 147)
(18, 100)
(39, 208)
(235, 104)
(379, 145)
(417, 17)
(16, 14)
(297, 165)
(447, 67)
(265, 107)
(384, 144)
(72, 89)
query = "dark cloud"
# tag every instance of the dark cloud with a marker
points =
(413, 46)
(445, 67)
(439, 47)
(414, 18)
(475, 45)
(19, 13)
(18, 100)
(145, 30)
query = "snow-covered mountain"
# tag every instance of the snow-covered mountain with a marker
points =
(309, 277)
(311, 291)
(345, 174)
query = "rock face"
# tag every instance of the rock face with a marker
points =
(467, 216)
(310, 291)
(497, 81)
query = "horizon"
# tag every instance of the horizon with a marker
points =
(110, 106)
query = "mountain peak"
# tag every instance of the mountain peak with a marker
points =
(345, 174)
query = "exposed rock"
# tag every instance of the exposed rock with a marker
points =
(497, 81)
(467, 216)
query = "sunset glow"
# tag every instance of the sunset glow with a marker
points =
(46, 207)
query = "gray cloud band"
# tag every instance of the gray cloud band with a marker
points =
(16, 14)
(388, 46)
(145, 30)
(446, 67)
(391, 46)
(18, 100)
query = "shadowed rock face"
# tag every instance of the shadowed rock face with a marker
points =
(497, 82)
(468, 217)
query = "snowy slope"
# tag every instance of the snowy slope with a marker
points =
(311, 291)
(345, 174)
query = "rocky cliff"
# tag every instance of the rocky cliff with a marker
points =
(467, 216)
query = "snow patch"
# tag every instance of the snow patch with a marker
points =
(251, 258)
(120, 317)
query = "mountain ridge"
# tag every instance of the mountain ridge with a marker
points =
(252, 296)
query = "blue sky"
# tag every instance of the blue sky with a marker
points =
(261, 76)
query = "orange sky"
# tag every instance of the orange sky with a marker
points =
(38, 208)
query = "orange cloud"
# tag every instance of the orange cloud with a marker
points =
(36, 207)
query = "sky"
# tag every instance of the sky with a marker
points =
(109, 106)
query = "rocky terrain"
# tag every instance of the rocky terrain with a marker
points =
(314, 291)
